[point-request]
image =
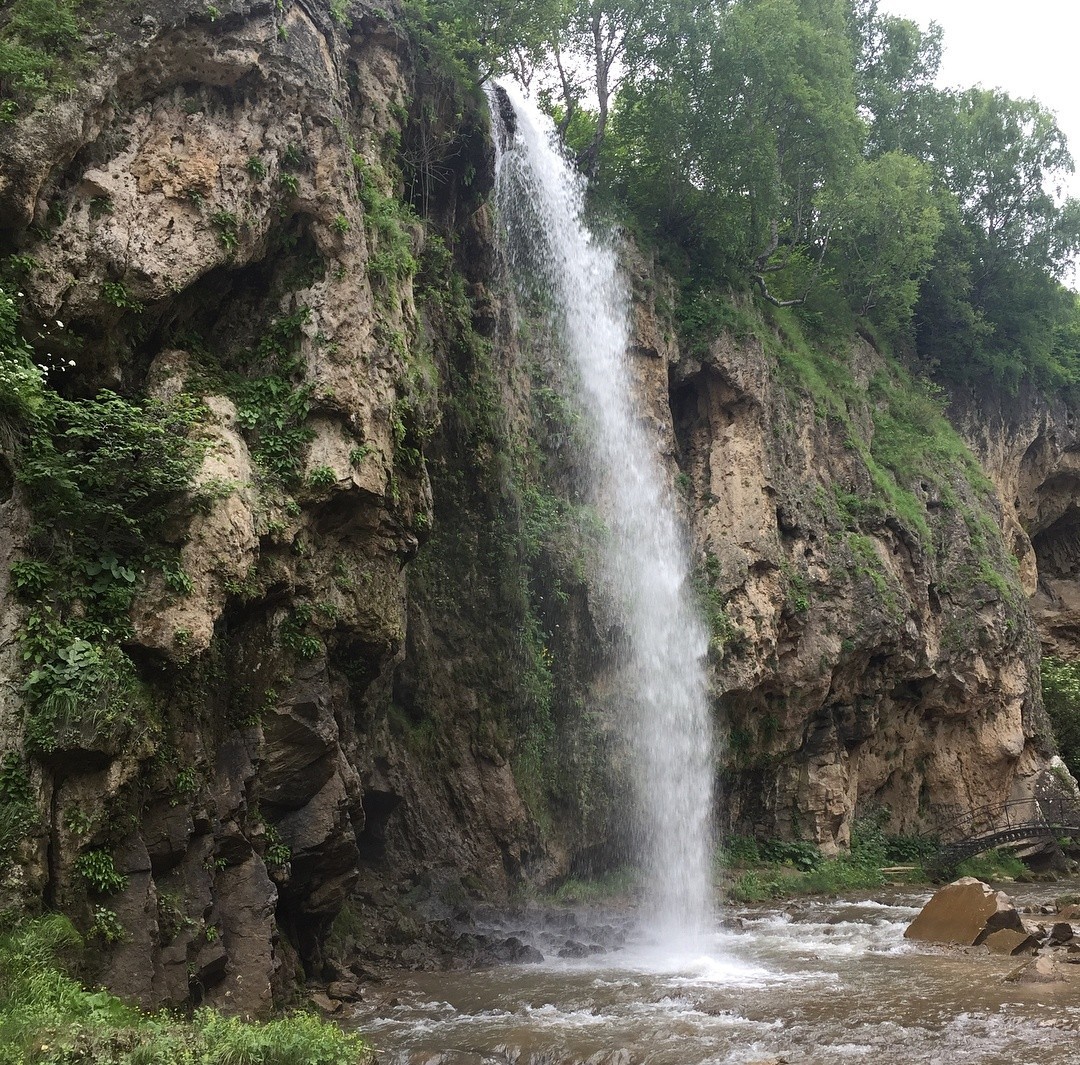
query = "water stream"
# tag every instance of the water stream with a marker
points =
(815, 982)
(541, 209)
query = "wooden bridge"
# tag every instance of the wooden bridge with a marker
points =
(1018, 821)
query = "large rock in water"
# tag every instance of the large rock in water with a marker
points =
(966, 912)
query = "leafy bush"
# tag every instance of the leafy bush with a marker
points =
(99, 872)
(36, 41)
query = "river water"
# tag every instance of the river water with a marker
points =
(809, 983)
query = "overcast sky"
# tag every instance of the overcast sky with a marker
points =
(1029, 48)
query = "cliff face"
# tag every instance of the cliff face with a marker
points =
(217, 218)
(362, 654)
(876, 650)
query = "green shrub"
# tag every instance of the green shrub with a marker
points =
(99, 872)
(1061, 696)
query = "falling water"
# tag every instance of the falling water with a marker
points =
(541, 199)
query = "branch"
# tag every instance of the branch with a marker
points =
(759, 271)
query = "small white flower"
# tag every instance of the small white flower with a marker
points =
(59, 324)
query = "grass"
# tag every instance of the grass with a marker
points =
(48, 1018)
(624, 883)
(770, 869)
(992, 865)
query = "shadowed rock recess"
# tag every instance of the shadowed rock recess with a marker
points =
(365, 656)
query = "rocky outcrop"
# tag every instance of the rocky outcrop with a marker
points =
(220, 215)
(868, 653)
(1029, 444)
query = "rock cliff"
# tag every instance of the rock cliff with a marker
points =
(361, 656)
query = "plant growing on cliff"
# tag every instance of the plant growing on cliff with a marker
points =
(37, 43)
(99, 873)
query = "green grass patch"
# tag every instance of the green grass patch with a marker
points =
(992, 865)
(48, 1018)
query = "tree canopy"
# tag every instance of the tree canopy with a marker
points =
(800, 149)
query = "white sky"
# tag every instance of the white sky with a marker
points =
(1029, 48)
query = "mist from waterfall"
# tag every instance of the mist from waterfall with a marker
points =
(540, 199)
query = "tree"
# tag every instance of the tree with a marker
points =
(485, 38)
(753, 118)
(885, 224)
(896, 63)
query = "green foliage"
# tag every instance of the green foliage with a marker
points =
(256, 168)
(322, 477)
(387, 220)
(116, 293)
(479, 39)
(97, 870)
(1061, 697)
(104, 477)
(106, 926)
(106, 472)
(277, 852)
(885, 226)
(21, 381)
(992, 865)
(228, 227)
(37, 45)
(273, 403)
(774, 868)
(176, 580)
(47, 1018)
(296, 636)
(17, 811)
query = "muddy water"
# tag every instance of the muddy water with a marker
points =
(813, 983)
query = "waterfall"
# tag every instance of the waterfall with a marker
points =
(540, 200)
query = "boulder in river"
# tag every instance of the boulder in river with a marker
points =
(965, 912)
(1009, 941)
(1042, 970)
(1060, 933)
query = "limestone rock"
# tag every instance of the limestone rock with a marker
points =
(966, 911)
(1010, 941)
(1042, 970)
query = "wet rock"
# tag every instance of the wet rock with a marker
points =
(1069, 913)
(1009, 941)
(573, 949)
(1060, 933)
(345, 990)
(324, 1002)
(481, 951)
(965, 912)
(1040, 971)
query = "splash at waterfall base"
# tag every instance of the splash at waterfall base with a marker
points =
(811, 982)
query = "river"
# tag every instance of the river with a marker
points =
(811, 982)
